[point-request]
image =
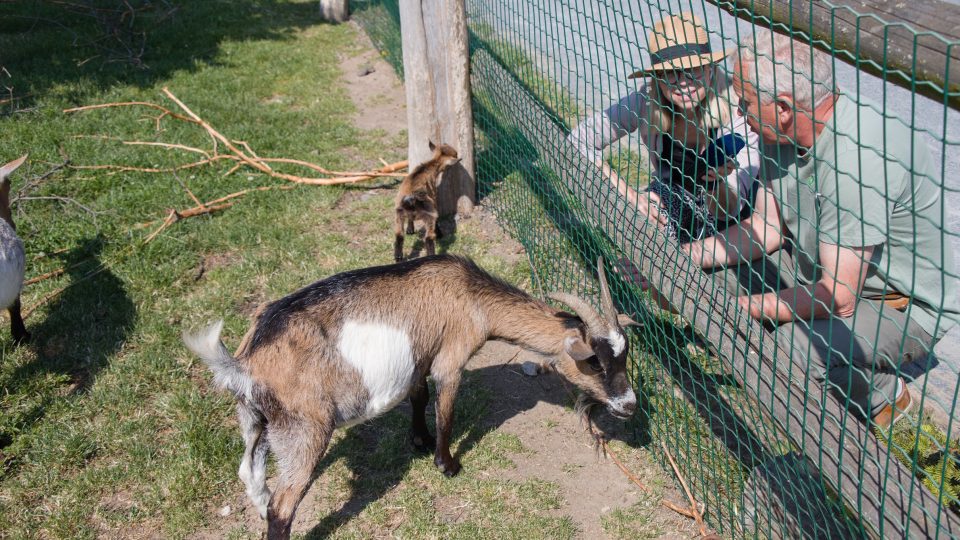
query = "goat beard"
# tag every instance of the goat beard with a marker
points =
(584, 408)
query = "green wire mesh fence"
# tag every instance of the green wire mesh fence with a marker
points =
(839, 193)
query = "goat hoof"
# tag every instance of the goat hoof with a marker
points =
(22, 339)
(424, 444)
(449, 468)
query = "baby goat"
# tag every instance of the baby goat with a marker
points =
(352, 346)
(12, 257)
(417, 198)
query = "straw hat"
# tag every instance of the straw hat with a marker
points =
(679, 42)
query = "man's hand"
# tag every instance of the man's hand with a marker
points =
(754, 304)
(834, 295)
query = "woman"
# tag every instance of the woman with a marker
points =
(683, 105)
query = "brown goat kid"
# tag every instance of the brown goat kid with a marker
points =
(417, 198)
(349, 348)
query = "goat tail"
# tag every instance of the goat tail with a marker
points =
(409, 202)
(227, 373)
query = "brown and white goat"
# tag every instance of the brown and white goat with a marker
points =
(348, 348)
(417, 198)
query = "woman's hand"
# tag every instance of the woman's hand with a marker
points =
(650, 205)
(631, 273)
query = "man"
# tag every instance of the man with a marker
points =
(850, 260)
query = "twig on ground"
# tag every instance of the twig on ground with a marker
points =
(686, 489)
(692, 513)
(31, 184)
(50, 296)
(39, 256)
(185, 188)
(223, 199)
(168, 145)
(127, 168)
(40, 278)
(175, 216)
(63, 200)
(164, 111)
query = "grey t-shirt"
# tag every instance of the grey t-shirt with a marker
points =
(870, 181)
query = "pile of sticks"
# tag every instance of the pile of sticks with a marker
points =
(224, 149)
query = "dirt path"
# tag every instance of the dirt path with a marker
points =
(536, 409)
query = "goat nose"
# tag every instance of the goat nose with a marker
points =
(624, 405)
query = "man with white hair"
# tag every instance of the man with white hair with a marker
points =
(850, 261)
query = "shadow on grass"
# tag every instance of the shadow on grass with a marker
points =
(49, 45)
(86, 325)
(379, 454)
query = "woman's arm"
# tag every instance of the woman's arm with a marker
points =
(599, 131)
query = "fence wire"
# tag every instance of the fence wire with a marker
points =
(847, 198)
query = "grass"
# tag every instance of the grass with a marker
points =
(107, 425)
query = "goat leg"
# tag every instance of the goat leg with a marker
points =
(398, 237)
(17, 328)
(423, 442)
(410, 225)
(446, 394)
(298, 447)
(431, 235)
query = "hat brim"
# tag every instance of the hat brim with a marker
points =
(686, 62)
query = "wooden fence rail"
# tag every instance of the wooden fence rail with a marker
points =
(921, 38)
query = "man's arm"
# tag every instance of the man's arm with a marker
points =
(835, 294)
(747, 241)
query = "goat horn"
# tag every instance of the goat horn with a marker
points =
(590, 317)
(606, 301)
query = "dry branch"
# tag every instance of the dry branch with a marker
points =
(40, 278)
(239, 151)
(686, 489)
(175, 216)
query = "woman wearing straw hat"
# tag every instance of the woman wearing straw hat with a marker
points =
(682, 105)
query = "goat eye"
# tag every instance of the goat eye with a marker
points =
(594, 364)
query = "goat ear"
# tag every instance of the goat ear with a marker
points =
(577, 349)
(8, 169)
(625, 321)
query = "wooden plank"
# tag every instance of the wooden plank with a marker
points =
(874, 484)
(892, 42)
(436, 68)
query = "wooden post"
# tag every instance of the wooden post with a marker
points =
(436, 68)
(891, 34)
(334, 10)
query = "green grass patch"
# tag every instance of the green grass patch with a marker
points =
(107, 425)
